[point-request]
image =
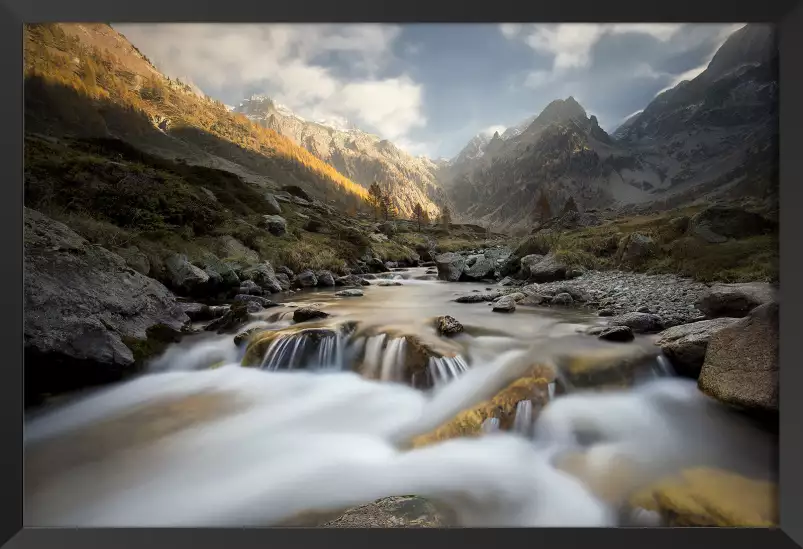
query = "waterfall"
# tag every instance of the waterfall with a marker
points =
(393, 358)
(446, 368)
(373, 355)
(523, 421)
(551, 388)
(308, 349)
(490, 425)
(664, 366)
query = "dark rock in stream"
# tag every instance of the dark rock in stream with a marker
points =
(263, 302)
(617, 333)
(89, 318)
(448, 325)
(305, 314)
(235, 317)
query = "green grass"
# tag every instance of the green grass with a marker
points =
(737, 260)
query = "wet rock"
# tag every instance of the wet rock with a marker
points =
(198, 312)
(713, 498)
(640, 323)
(235, 317)
(536, 268)
(534, 300)
(389, 283)
(617, 333)
(393, 512)
(249, 287)
(325, 279)
(263, 302)
(606, 312)
(244, 336)
(351, 280)
(89, 318)
(284, 281)
(135, 259)
(562, 299)
(275, 224)
(450, 266)
(504, 304)
(448, 325)
(264, 276)
(478, 298)
(685, 345)
(184, 276)
(307, 279)
(305, 314)
(480, 268)
(741, 362)
(271, 204)
(350, 293)
(735, 300)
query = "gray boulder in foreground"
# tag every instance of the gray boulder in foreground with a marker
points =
(735, 300)
(450, 266)
(741, 362)
(83, 308)
(685, 345)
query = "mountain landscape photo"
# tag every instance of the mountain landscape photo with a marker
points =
(370, 275)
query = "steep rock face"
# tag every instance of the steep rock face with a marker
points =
(714, 136)
(362, 157)
(84, 309)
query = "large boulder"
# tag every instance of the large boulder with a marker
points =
(481, 267)
(325, 278)
(741, 362)
(224, 274)
(185, 277)
(275, 224)
(89, 318)
(307, 279)
(685, 345)
(717, 223)
(542, 268)
(450, 266)
(735, 300)
(264, 276)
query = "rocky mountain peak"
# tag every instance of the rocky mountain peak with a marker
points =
(752, 44)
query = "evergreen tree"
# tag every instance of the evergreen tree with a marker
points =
(418, 212)
(375, 198)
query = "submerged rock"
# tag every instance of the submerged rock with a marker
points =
(685, 345)
(617, 333)
(711, 497)
(308, 313)
(448, 325)
(389, 283)
(88, 316)
(350, 293)
(741, 362)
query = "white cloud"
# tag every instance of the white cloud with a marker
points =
(570, 44)
(287, 62)
(490, 130)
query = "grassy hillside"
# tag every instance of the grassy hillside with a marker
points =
(73, 87)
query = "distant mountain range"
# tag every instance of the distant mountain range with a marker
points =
(714, 137)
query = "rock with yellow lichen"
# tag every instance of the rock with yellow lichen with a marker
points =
(533, 387)
(711, 497)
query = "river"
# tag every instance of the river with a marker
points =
(201, 441)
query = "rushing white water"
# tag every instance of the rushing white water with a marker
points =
(306, 434)
(300, 441)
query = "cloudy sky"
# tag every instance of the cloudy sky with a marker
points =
(430, 88)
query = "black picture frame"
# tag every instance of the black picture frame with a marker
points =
(787, 14)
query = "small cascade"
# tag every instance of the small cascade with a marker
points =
(373, 355)
(490, 425)
(308, 349)
(393, 359)
(551, 388)
(523, 420)
(445, 369)
(664, 367)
